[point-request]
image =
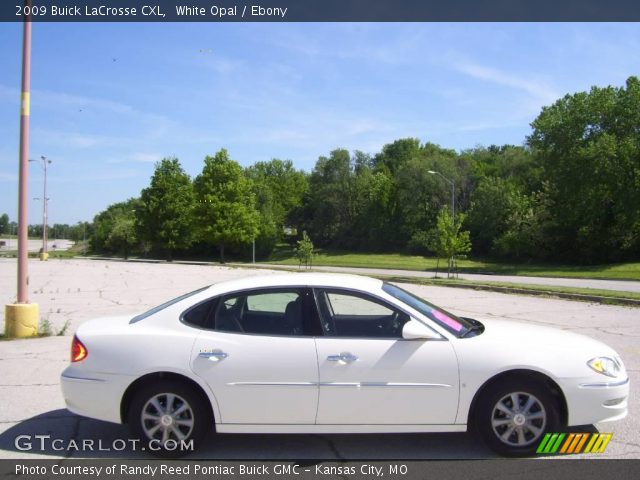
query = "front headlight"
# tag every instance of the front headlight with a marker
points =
(606, 366)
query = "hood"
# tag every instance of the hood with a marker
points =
(542, 338)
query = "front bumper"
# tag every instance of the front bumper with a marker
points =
(592, 400)
(94, 395)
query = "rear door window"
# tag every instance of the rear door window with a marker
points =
(268, 312)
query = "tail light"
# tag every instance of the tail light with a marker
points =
(78, 350)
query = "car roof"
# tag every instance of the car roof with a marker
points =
(277, 279)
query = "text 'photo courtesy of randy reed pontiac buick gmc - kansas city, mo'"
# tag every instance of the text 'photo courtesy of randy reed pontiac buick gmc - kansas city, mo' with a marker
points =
(329, 353)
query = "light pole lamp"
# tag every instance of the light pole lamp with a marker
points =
(453, 193)
(45, 202)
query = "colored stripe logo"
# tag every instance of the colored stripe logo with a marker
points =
(573, 443)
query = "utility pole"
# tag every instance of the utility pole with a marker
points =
(23, 191)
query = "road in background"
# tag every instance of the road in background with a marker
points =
(35, 245)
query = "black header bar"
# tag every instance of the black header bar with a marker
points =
(322, 11)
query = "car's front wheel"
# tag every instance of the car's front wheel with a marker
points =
(170, 419)
(513, 417)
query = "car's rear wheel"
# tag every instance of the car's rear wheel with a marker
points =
(513, 417)
(170, 419)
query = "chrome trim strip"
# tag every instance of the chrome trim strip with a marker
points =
(272, 384)
(605, 384)
(337, 384)
(82, 379)
(383, 384)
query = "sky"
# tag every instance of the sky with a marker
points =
(108, 100)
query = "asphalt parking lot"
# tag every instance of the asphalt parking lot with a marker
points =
(72, 291)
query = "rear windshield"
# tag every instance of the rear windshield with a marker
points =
(148, 313)
(453, 324)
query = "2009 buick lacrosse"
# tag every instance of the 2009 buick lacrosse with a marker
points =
(318, 353)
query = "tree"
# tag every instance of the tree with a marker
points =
(420, 194)
(279, 189)
(123, 234)
(304, 251)
(165, 219)
(333, 181)
(493, 204)
(515, 164)
(373, 227)
(589, 146)
(80, 231)
(286, 185)
(270, 226)
(4, 224)
(225, 209)
(105, 221)
(446, 239)
(329, 211)
(398, 153)
(35, 231)
(530, 229)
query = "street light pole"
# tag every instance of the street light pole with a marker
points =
(45, 208)
(453, 193)
(45, 213)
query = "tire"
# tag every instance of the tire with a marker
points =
(168, 418)
(516, 431)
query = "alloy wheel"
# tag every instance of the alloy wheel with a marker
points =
(167, 416)
(518, 419)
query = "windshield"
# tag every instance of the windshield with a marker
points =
(148, 313)
(452, 323)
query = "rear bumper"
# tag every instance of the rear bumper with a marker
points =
(597, 401)
(94, 395)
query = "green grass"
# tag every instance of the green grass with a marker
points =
(58, 254)
(623, 271)
(61, 254)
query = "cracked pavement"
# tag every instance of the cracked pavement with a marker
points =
(76, 290)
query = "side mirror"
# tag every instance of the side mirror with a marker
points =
(415, 330)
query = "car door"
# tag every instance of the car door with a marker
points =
(370, 375)
(259, 357)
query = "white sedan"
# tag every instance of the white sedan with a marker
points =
(324, 353)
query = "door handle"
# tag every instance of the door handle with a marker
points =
(214, 356)
(344, 357)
